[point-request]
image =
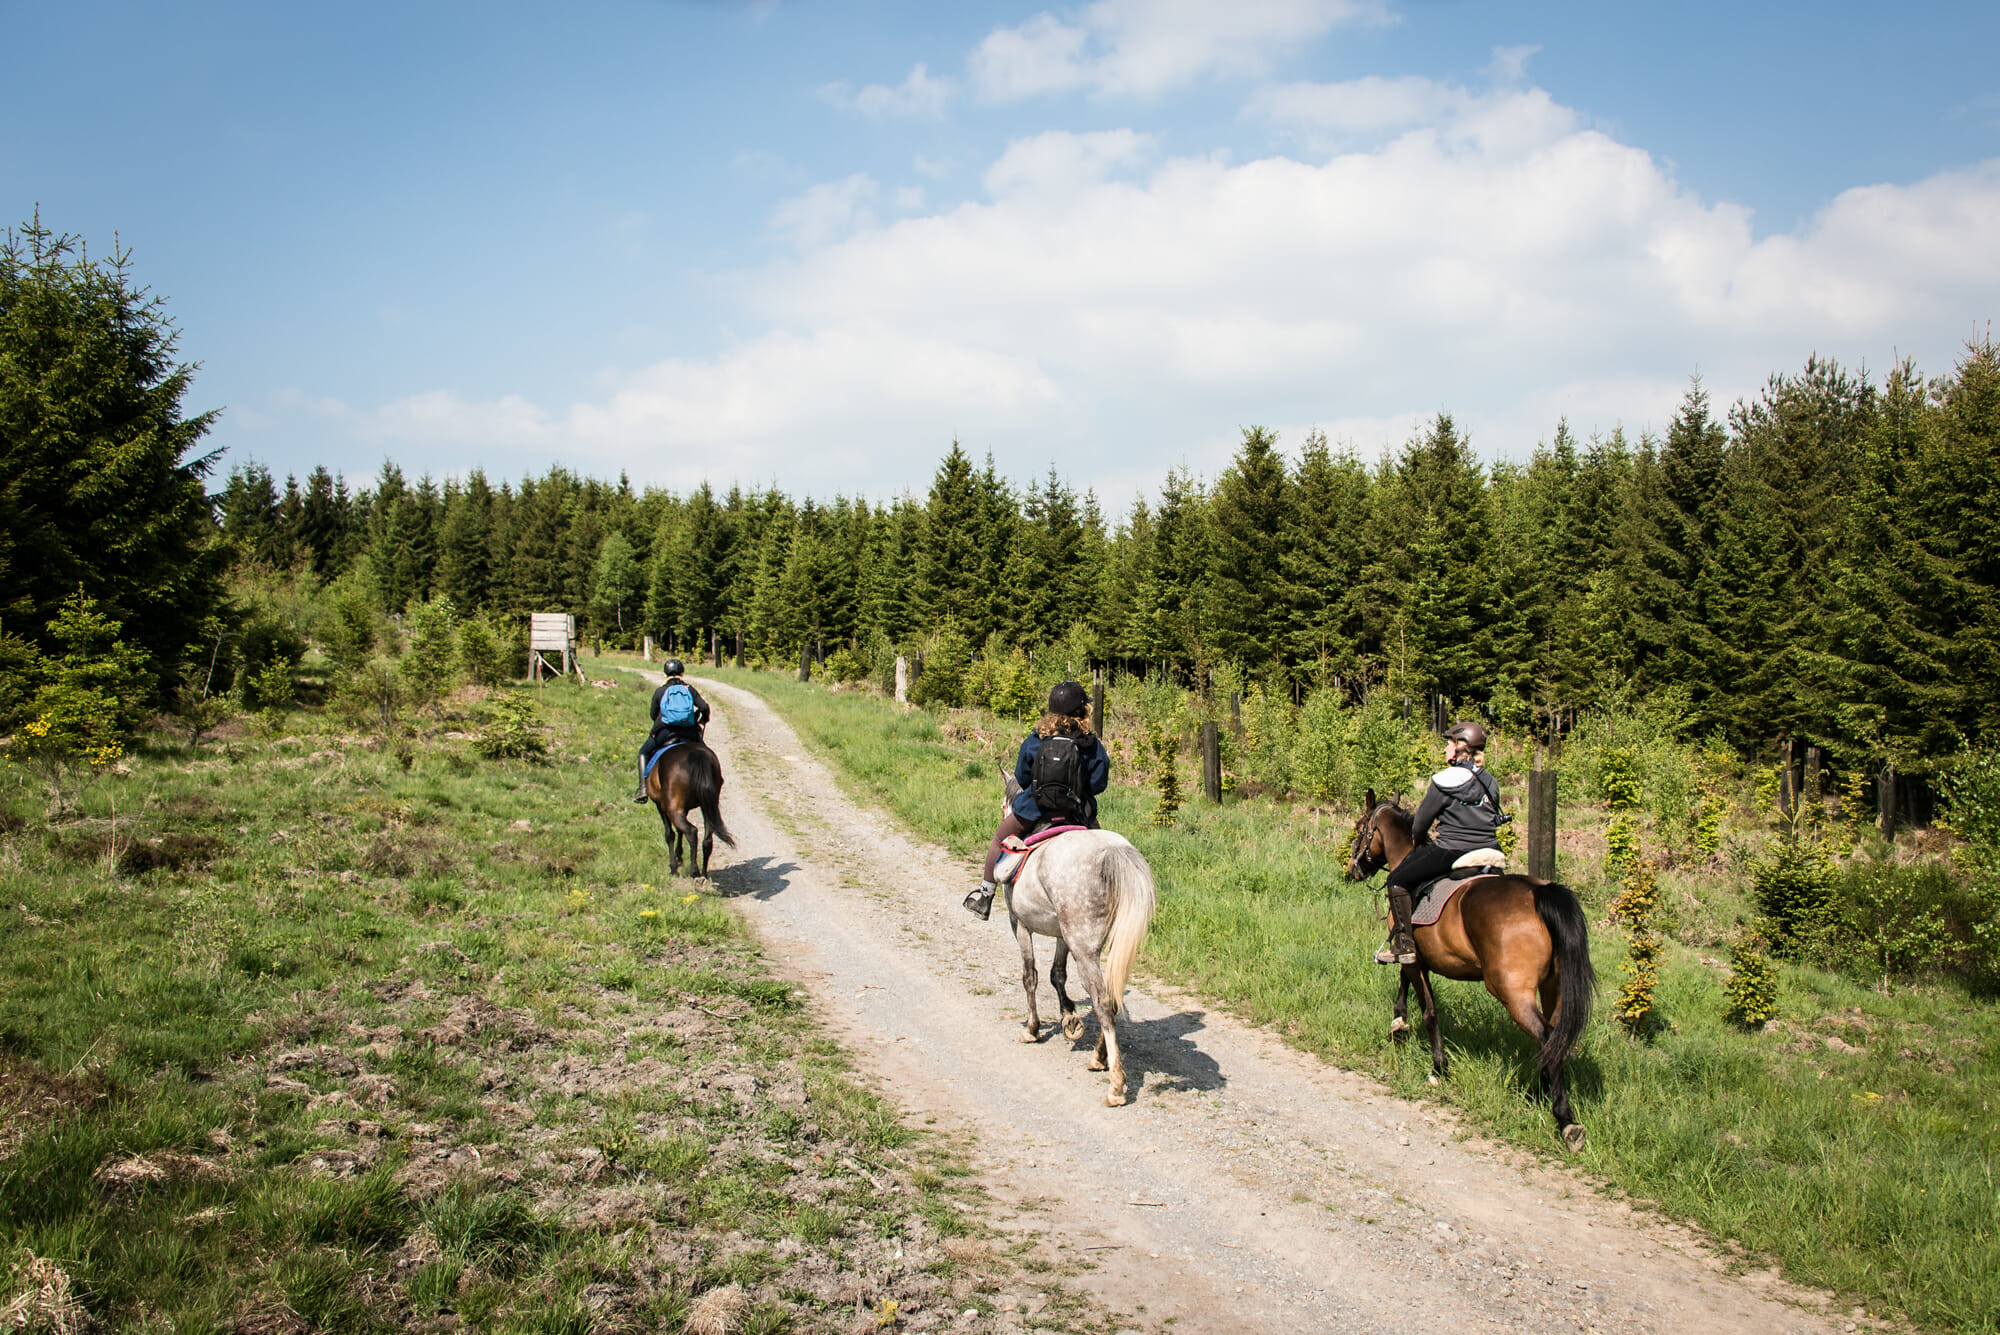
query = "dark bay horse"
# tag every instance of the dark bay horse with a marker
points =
(689, 777)
(1524, 938)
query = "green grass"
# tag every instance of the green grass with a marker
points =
(312, 920)
(1869, 1172)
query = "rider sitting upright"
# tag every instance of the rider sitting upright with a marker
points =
(678, 713)
(1460, 814)
(1061, 768)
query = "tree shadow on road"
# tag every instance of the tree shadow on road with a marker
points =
(760, 878)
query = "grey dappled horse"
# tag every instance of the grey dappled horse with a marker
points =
(1093, 892)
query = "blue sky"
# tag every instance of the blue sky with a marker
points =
(814, 243)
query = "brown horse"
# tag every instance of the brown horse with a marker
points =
(1524, 938)
(689, 777)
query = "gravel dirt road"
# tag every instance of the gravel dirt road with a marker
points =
(1246, 1187)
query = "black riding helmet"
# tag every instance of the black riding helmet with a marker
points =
(1069, 700)
(673, 667)
(1468, 732)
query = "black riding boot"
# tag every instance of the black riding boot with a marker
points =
(980, 902)
(1402, 947)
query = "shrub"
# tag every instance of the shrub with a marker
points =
(86, 705)
(512, 728)
(882, 661)
(1970, 785)
(1796, 888)
(1166, 778)
(1618, 779)
(1635, 906)
(1320, 746)
(947, 658)
(1753, 983)
(1621, 847)
(431, 667)
(1269, 729)
(347, 629)
(20, 670)
(264, 641)
(1897, 915)
(844, 665)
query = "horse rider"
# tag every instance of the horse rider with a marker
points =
(1061, 768)
(1460, 814)
(677, 713)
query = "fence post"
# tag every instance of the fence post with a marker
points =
(646, 651)
(805, 661)
(1097, 702)
(739, 646)
(1541, 820)
(902, 680)
(1788, 797)
(1211, 761)
(1236, 712)
(1810, 792)
(1885, 802)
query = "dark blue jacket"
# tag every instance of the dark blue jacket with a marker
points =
(1096, 774)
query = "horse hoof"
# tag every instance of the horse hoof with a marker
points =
(1072, 1027)
(1114, 1100)
(1031, 1036)
(1098, 1064)
(1431, 1080)
(1573, 1136)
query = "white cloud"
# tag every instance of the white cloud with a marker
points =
(826, 210)
(1510, 63)
(917, 95)
(1150, 46)
(1120, 313)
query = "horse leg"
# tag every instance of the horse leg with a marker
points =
(707, 846)
(692, 838)
(1107, 1056)
(1032, 1031)
(1399, 1023)
(673, 842)
(1555, 1083)
(1072, 1022)
(1427, 998)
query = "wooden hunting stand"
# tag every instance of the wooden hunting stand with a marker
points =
(551, 632)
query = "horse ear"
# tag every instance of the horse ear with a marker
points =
(1368, 802)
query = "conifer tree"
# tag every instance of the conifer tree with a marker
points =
(1252, 517)
(1323, 556)
(952, 554)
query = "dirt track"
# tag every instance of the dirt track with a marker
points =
(1246, 1187)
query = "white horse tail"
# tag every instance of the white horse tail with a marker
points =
(1131, 882)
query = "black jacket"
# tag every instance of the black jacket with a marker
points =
(1460, 810)
(700, 705)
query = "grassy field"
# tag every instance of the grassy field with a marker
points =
(1853, 1140)
(333, 1031)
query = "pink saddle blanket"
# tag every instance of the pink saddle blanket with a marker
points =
(1019, 850)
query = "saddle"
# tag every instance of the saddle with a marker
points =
(678, 741)
(1429, 899)
(1019, 850)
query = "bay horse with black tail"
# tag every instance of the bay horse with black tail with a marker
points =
(1524, 938)
(688, 777)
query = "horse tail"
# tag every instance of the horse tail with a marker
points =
(1576, 979)
(1131, 882)
(705, 790)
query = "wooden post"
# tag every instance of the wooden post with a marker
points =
(646, 650)
(1236, 712)
(739, 646)
(1788, 796)
(902, 680)
(1810, 792)
(1885, 802)
(1541, 820)
(805, 661)
(715, 646)
(1097, 705)
(1211, 761)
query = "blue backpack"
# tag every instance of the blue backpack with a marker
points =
(677, 706)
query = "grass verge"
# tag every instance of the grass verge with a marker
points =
(335, 1032)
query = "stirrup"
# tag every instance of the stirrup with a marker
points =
(640, 796)
(980, 903)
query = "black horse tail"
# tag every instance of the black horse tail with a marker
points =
(705, 791)
(1563, 916)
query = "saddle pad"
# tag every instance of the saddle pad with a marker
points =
(678, 741)
(1020, 850)
(1432, 898)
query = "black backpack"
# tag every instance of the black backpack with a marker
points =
(1056, 779)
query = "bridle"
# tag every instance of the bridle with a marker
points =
(1363, 852)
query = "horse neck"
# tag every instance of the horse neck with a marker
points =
(1393, 824)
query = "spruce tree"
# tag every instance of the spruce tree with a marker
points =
(1253, 518)
(1323, 556)
(952, 552)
